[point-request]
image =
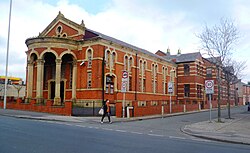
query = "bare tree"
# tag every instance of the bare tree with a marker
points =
(18, 87)
(232, 72)
(217, 42)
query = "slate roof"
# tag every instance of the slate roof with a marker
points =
(100, 35)
(213, 59)
(182, 58)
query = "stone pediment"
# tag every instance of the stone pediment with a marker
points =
(64, 28)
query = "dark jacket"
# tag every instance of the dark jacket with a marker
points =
(106, 108)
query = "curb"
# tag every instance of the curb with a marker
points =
(119, 120)
(36, 118)
(182, 129)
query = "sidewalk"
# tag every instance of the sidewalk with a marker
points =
(60, 118)
(236, 130)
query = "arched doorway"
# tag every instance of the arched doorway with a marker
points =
(66, 84)
(31, 81)
(49, 74)
(52, 90)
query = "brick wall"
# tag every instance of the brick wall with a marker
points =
(32, 106)
(150, 109)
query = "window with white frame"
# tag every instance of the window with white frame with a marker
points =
(125, 63)
(144, 67)
(154, 78)
(113, 60)
(164, 80)
(130, 64)
(109, 84)
(89, 56)
(140, 67)
(107, 57)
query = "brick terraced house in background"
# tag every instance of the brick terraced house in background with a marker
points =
(71, 69)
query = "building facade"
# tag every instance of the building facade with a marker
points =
(68, 62)
(190, 78)
(72, 69)
(246, 93)
(192, 71)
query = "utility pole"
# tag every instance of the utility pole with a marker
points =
(7, 60)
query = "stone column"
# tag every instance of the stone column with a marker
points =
(57, 99)
(74, 79)
(30, 80)
(39, 81)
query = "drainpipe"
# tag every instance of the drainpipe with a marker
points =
(136, 75)
(103, 76)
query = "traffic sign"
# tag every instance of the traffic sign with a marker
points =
(170, 87)
(124, 87)
(124, 81)
(209, 86)
(124, 74)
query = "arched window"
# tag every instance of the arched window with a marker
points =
(89, 56)
(144, 67)
(155, 79)
(113, 60)
(140, 67)
(164, 80)
(125, 63)
(166, 71)
(130, 64)
(109, 84)
(107, 56)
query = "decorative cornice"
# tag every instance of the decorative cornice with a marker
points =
(60, 17)
(51, 40)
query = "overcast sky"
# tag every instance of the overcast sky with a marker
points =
(149, 24)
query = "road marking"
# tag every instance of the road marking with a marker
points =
(69, 124)
(173, 137)
(121, 131)
(107, 129)
(81, 126)
(136, 132)
(156, 135)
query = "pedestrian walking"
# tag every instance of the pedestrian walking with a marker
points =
(107, 111)
(248, 106)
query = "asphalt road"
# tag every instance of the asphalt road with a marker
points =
(147, 136)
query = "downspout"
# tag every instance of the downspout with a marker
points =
(103, 76)
(136, 75)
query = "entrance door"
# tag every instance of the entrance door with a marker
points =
(52, 90)
(62, 91)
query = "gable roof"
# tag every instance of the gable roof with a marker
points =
(60, 17)
(122, 43)
(214, 60)
(91, 34)
(181, 58)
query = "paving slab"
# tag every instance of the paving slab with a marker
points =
(235, 130)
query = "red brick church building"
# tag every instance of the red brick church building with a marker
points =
(69, 64)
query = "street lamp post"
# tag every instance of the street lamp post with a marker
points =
(7, 59)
